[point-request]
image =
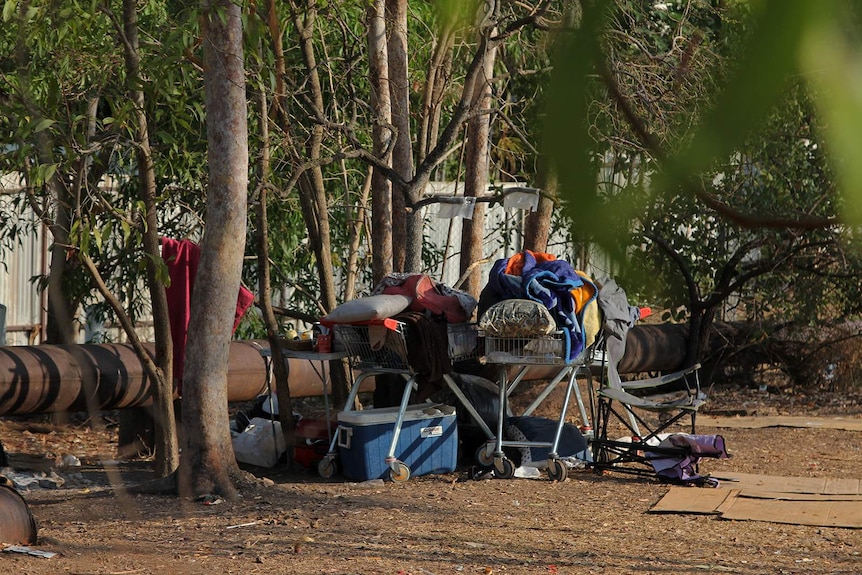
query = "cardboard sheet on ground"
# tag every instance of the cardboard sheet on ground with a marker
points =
(795, 509)
(754, 422)
(785, 484)
(793, 500)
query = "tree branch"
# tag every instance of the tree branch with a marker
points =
(698, 189)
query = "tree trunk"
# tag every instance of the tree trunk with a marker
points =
(279, 366)
(437, 78)
(354, 235)
(167, 452)
(312, 183)
(61, 327)
(208, 461)
(460, 114)
(537, 225)
(405, 255)
(60, 321)
(476, 162)
(381, 188)
(315, 205)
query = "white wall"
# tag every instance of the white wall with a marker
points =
(503, 235)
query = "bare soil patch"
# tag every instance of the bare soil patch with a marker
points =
(295, 522)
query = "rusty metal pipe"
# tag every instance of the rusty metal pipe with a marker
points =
(69, 378)
(655, 347)
(659, 347)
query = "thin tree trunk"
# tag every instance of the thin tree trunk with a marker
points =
(208, 463)
(280, 368)
(354, 236)
(460, 114)
(312, 182)
(313, 192)
(275, 34)
(61, 328)
(476, 173)
(60, 320)
(405, 255)
(381, 188)
(167, 451)
(438, 76)
(537, 225)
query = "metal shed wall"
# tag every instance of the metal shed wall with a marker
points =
(21, 263)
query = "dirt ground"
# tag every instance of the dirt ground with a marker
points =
(431, 525)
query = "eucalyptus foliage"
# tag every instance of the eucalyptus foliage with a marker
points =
(720, 133)
(68, 120)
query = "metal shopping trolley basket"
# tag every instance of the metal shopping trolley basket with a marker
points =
(525, 353)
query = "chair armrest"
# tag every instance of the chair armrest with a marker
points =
(661, 380)
(689, 402)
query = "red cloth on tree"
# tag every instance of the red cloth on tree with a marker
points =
(182, 257)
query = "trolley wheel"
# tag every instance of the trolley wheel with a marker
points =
(503, 468)
(485, 455)
(326, 467)
(557, 470)
(399, 472)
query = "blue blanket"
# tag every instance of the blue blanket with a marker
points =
(549, 283)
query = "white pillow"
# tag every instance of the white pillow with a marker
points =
(369, 308)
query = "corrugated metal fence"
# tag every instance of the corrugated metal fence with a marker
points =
(21, 264)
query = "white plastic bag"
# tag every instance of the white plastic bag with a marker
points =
(261, 443)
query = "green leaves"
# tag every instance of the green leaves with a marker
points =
(457, 10)
(832, 62)
(568, 140)
(43, 124)
(760, 77)
(42, 174)
(9, 9)
(782, 39)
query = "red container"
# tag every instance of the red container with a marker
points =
(324, 343)
(312, 440)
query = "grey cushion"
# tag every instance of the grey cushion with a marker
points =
(517, 318)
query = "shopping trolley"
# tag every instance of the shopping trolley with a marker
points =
(529, 352)
(380, 347)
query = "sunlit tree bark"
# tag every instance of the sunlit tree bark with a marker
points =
(208, 464)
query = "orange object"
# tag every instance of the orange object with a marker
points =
(515, 265)
(583, 294)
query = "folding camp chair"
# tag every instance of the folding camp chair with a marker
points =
(634, 422)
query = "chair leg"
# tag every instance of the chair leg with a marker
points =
(631, 456)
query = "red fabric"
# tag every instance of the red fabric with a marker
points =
(182, 257)
(243, 302)
(426, 297)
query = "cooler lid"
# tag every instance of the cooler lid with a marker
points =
(390, 414)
